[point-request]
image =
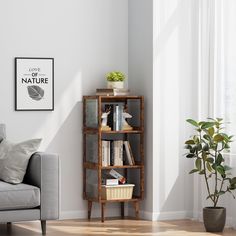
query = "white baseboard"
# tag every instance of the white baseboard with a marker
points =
(170, 215)
(114, 212)
(82, 214)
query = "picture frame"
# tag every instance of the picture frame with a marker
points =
(34, 84)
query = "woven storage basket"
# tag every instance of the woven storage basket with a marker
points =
(117, 192)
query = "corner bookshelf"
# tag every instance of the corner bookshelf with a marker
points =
(93, 106)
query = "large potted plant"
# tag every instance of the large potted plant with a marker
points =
(115, 79)
(206, 148)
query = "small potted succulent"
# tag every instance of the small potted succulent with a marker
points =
(115, 79)
(206, 148)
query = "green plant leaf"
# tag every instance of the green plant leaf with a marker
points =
(207, 125)
(208, 166)
(190, 155)
(219, 159)
(193, 171)
(211, 131)
(190, 142)
(192, 122)
(198, 163)
(220, 170)
(210, 159)
(202, 172)
(204, 156)
(225, 136)
(214, 165)
(207, 137)
(227, 168)
(233, 181)
(218, 138)
(205, 147)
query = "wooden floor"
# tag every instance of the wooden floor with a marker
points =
(112, 226)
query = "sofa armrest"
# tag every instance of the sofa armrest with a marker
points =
(43, 172)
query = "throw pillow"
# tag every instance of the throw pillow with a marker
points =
(2, 132)
(14, 159)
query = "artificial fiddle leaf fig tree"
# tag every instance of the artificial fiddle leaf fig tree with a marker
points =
(206, 148)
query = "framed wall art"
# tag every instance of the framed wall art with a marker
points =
(34, 84)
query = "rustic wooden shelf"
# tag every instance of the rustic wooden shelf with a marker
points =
(94, 166)
(93, 162)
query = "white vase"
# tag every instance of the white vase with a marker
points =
(115, 84)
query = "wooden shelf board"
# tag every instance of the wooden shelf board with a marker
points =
(123, 167)
(122, 200)
(134, 131)
(96, 130)
(95, 166)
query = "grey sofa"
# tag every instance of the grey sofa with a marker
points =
(37, 198)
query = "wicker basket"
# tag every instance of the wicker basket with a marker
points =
(117, 192)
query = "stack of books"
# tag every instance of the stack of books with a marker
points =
(116, 153)
(112, 92)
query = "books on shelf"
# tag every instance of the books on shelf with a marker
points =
(117, 116)
(106, 153)
(113, 153)
(118, 176)
(114, 119)
(129, 154)
(110, 182)
(117, 153)
(112, 92)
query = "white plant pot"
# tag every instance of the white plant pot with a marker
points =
(115, 84)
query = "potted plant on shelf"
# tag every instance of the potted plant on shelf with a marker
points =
(115, 79)
(206, 148)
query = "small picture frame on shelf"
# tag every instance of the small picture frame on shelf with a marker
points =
(34, 84)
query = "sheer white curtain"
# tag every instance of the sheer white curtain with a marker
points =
(225, 64)
(217, 62)
(217, 81)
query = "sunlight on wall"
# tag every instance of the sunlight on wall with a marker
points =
(171, 70)
(70, 97)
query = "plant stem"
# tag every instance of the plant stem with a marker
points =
(205, 173)
(221, 186)
(207, 184)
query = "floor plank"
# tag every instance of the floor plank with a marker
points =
(111, 226)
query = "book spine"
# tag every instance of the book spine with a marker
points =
(112, 153)
(120, 115)
(104, 153)
(108, 153)
(118, 176)
(116, 153)
(131, 153)
(116, 118)
(121, 153)
(128, 154)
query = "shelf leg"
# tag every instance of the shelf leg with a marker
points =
(122, 210)
(136, 208)
(90, 203)
(102, 212)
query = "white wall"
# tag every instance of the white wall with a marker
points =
(141, 81)
(162, 66)
(175, 100)
(87, 38)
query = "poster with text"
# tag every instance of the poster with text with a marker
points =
(34, 84)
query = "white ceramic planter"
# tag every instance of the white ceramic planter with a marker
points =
(116, 84)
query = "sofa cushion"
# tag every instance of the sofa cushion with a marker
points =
(2, 132)
(20, 196)
(14, 159)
